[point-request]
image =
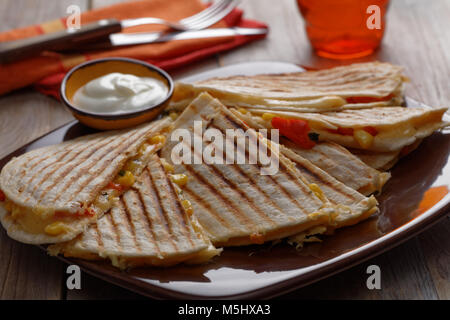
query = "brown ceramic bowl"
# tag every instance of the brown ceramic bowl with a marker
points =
(85, 72)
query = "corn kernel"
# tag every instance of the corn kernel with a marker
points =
(126, 180)
(55, 228)
(173, 115)
(167, 166)
(242, 110)
(180, 179)
(15, 212)
(132, 165)
(159, 139)
(314, 215)
(267, 116)
(143, 148)
(317, 191)
(187, 207)
(363, 138)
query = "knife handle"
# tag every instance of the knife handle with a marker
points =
(15, 50)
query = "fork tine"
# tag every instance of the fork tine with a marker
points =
(215, 16)
(220, 6)
(202, 13)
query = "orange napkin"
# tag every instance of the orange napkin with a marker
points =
(47, 70)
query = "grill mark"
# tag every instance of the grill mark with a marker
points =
(77, 153)
(39, 161)
(97, 236)
(237, 190)
(148, 226)
(205, 205)
(162, 212)
(348, 172)
(65, 151)
(242, 173)
(288, 195)
(241, 217)
(130, 225)
(85, 169)
(44, 178)
(318, 180)
(33, 165)
(297, 181)
(70, 168)
(266, 196)
(156, 206)
(120, 151)
(114, 226)
(175, 203)
(67, 147)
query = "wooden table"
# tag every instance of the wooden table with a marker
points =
(418, 38)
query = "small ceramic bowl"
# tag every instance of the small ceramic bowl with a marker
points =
(83, 73)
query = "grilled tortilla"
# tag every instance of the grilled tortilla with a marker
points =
(378, 160)
(363, 85)
(148, 225)
(350, 205)
(384, 160)
(331, 158)
(377, 129)
(53, 193)
(236, 205)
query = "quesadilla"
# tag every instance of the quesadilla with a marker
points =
(363, 85)
(51, 194)
(379, 129)
(235, 203)
(351, 206)
(332, 158)
(148, 225)
(384, 160)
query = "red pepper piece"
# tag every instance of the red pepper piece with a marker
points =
(342, 131)
(373, 131)
(115, 186)
(368, 99)
(295, 129)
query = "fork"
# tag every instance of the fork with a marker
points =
(201, 20)
(62, 40)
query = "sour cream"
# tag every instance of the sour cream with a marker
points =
(120, 93)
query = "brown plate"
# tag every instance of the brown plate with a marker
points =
(266, 271)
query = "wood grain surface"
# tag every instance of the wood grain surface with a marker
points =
(417, 37)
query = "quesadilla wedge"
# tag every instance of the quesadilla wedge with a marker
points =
(237, 205)
(384, 160)
(350, 205)
(332, 158)
(51, 194)
(234, 203)
(363, 85)
(148, 225)
(379, 129)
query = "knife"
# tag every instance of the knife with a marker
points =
(12, 51)
(127, 39)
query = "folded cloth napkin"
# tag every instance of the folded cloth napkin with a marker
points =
(47, 70)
